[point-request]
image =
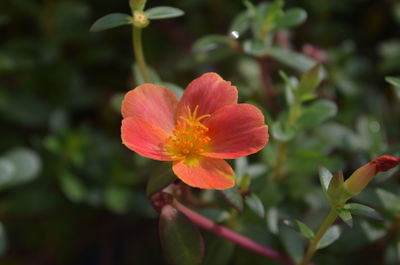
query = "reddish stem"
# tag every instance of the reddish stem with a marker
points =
(232, 236)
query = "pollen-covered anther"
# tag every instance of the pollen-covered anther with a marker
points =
(189, 136)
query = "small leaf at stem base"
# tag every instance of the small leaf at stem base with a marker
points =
(111, 21)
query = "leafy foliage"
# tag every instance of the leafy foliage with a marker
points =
(317, 75)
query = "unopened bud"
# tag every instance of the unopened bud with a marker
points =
(362, 176)
(160, 199)
(140, 19)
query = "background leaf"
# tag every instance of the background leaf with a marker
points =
(73, 187)
(18, 166)
(291, 58)
(292, 242)
(255, 204)
(233, 197)
(218, 252)
(291, 18)
(395, 81)
(180, 239)
(316, 113)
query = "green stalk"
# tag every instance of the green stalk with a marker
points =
(312, 248)
(139, 55)
(279, 171)
(283, 147)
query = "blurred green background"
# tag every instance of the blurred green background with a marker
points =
(71, 193)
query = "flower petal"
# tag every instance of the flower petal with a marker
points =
(235, 131)
(210, 92)
(155, 104)
(144, 138)
(206, 173)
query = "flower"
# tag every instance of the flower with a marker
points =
(363, 175)
(197, 132)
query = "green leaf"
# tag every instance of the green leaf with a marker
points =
(371, 135)
(335, 187)
(345, 215)
(255, 48)
(291, 58)
(209, 42)
(372, 232)
(233, 197)
(116, 102)
(240, 23)
(325, 177)
(111, 21)
(315, 114)
(180, 239)
(300, 227)
(160, 179)
(363, 210)
(291, 18)
(117, 198)
(241, 166)
(273, 220)
(162, 12)
(395, 81)
(7, 170)
(292, 243)
(331, 235)
(73, 187)
(304, 230)
(389, 200)
(281, 131)
(255, 204)
(218, 252)
(310, 80)
(290, 85)
(19, 166)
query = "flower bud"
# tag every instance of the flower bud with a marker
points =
(140, 19)
(363, 175)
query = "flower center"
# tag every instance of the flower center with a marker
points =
(189, 139)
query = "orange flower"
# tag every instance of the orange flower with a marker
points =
(363, 175)
(197, 132)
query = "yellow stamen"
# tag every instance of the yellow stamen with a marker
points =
(189, 139)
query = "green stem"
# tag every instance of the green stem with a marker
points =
(139, 55)
(279, 171)
(312, 248)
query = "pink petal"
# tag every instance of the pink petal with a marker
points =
(205, 173)
(155, 104)
(144, 138)
(235, 131)
(210, 92)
